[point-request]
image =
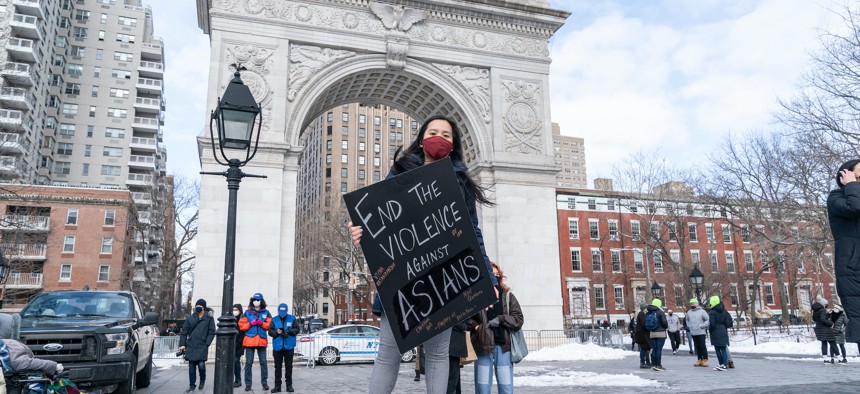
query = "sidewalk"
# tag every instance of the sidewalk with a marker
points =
(754, 374)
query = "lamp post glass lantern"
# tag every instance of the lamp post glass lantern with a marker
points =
(656, 290)
(235, 117)
(696, 278)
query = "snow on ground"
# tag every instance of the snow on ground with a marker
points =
(851, 360)
(162, 363)
(555, 377)
(812, 348)
(578, 352)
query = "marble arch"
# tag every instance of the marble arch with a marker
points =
(485, 63)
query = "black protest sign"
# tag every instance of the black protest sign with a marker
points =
(422, 251)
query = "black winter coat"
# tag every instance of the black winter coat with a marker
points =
(719, 322)
(642, 336)
(458, 348)
(843, 212)
(240, 335)
(823, 325)
(196, 335)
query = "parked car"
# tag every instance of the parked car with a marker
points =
(104, 339)
(776, 320)
(348, 342)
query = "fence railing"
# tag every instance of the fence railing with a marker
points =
(166, 347)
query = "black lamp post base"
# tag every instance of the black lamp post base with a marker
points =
(225, 347)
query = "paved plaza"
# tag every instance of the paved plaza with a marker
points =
(754, 374)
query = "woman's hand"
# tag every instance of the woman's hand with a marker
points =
(355, 233)
(847, 176)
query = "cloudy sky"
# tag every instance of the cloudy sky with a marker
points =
(673, 75)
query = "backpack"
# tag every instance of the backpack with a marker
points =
(651, 321)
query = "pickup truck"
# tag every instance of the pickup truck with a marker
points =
(103, 338)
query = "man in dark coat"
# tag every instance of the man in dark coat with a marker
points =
(843, 213)
(194, 339)
(456, 349)
(239, 350)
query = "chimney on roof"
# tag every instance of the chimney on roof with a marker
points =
(604, 184)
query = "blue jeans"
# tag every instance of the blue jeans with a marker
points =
(722, 356)
(643, 355)
(237, 368)
(484, 366)
(249, 362)
(657, 351)
(193, 366)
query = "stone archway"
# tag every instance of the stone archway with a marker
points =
(484, 64)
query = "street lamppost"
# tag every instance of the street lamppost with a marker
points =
(347, 268)
(235, 117)
(696, 278)
(656, 290)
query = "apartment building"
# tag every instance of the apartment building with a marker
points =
(569, 153)
(82, 102)
(613, 246)
(346, 148)
(59, 237)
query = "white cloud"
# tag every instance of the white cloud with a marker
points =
(631, 79)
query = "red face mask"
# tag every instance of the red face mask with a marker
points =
(436, 147)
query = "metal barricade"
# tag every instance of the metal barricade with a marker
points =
(165, 347)
(612, 338)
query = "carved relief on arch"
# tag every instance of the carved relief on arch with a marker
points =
(476, 81)
(306, 61)
(522, 117)
(257, 62)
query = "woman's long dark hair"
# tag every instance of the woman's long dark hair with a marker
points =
(848, 165)
(402, 163)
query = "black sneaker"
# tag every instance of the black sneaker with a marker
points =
(720, 368)
(843, 361)
(290, 388)
(659, 368)
(237, 384)
(644, 366)
(200, 387)
(277, 389)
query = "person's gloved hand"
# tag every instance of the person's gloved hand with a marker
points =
(494, 322)
(257, 322)
(59, 368)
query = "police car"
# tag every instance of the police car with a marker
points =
(348, 342)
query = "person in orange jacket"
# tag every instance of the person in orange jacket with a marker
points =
(254, 323)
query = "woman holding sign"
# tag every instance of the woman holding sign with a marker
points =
(438, 138)
(492, 340)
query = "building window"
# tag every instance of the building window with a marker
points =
(126, 21)
(635, 231)
(679, 296)
(85, 170)
(637, 261)
(610, 205)
(361, 146)
(593, 228)
(765, 262)
(64, 148)
(97, 72)
(100, 54)
(592, 204)
(66, 272)
(376, 148)
(70, 109)
(343, 187)
(92, 111)
(343, 159)
(596, 260)
(343, 173)
(111, 170)
(72, 217)
(75, 70)
(107, 245)
(328, 159)
(675, 255)
(768, 294)
(673, 231)
(730, 261)
(103, 19)
(727, 234)
(376, 162)
(94, 92)
(121, 74)
(104, 273)
(112, 152)
(657, 259)
(67, 129)
(376, 175)
(599, 297)
(120, 93)
(575, 260)
(362, 119)
(101, 35)
(734, 295)
(79, 32)
(749, 262)
(361, 174)
(82, 15)
(619, 297)
(691, 231)
(377, 121)
(117, 112)
(344, 117)
(361, 160)
(709, 232)
(69, 244)
(344, 144)
(713, 258)
(126, 38)
(573, 228)
(114, 133)
(344, 130)
(613, 230)
(745, 233)
(63, 167)
(695, 257)
(615, 256)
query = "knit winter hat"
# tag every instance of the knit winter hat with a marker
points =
(657, 303)
(694, 301)
(643, 307)
(201, 302)
(714, 301)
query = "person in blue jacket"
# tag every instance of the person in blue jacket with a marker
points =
(283, 332)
